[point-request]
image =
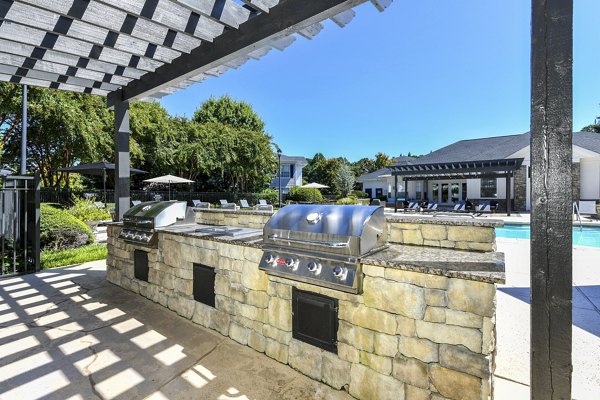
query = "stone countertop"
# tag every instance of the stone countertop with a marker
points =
(483, 267)
(446, 218)
(249, 240)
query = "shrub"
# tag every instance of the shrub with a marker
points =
(270, 195)
(60, 230)
(86, 210)
(348, 201)
(298, 193)
(359, 194)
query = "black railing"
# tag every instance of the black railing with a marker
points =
(20, 225)
(64, 196)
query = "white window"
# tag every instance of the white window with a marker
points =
(285, 171)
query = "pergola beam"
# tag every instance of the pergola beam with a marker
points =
(257, 32)
(551, 195)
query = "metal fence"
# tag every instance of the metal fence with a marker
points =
(20, 225)
(64, 196)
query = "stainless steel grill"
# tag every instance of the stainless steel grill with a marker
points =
(141, 221)
(321, 244)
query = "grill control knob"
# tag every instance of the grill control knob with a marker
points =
(314, 267)
(270, 259)
(291, 263)
(339, 272)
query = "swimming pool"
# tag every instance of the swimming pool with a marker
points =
(586, 236)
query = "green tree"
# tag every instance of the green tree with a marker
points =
(63, 128)
(345, 180)
(155, 137)
(227, 111)
(591, 128)
(363, 166)
(382, 160)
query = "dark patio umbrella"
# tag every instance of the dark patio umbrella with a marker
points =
(97, 168)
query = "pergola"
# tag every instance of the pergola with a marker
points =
(503, 168)
(143, 49)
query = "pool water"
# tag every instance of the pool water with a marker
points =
(586, 236)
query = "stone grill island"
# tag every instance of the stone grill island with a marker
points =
(422, 328)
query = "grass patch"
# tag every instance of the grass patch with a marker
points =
(60, 258)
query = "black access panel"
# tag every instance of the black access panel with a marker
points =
(315, 319)
(204, 284)
(140, 265)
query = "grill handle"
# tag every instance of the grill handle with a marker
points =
(333, 245)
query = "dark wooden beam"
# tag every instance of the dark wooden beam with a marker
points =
(395, 193)
(253, 34)
(508, 207)
(551, 218)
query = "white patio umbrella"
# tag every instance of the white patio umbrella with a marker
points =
(314, 185)
(168, 179)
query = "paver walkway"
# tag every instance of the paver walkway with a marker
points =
(69, 334)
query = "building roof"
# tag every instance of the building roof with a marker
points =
(375, 175)
(130, 50)
(298, 160)
(495, 148)
(587, 140)
(492, 148)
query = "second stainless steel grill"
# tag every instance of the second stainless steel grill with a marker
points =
(140, 221)
(323, 244)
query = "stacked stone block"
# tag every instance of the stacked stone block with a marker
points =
(243, 218)
(443, 235)
(410, 335)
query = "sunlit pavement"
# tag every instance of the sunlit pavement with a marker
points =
(513, 319)
(69, 334)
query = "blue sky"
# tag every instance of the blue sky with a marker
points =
(414, 78)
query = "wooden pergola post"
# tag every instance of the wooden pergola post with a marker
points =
(551, 219)
(122, 166)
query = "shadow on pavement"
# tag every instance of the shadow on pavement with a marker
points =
(586, 305)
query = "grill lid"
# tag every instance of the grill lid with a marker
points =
(155, 214)
(336, 229)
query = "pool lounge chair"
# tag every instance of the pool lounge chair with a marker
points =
(201, 204)
(430, 207)
(229, 206)
(587, 207)
(486, 206)
(413, 206)
(263, 206)
(461, 206)
(244, 203)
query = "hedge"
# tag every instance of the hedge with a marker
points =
(311, 195)
(60, 230)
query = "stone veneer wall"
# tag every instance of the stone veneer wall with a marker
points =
(443, 234)
(410, 229)
(247, 219)
(410, 335)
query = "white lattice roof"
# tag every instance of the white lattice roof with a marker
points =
(145, 49)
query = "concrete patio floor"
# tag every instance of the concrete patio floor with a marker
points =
(513, 323)
(68, 334)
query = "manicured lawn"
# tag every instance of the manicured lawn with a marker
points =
(91, 252)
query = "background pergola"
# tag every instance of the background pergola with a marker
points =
(143, 49)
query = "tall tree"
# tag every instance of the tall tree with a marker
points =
(382, 160)
(63, 128)
(227, 111)
(591, 128)
(345, 180)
